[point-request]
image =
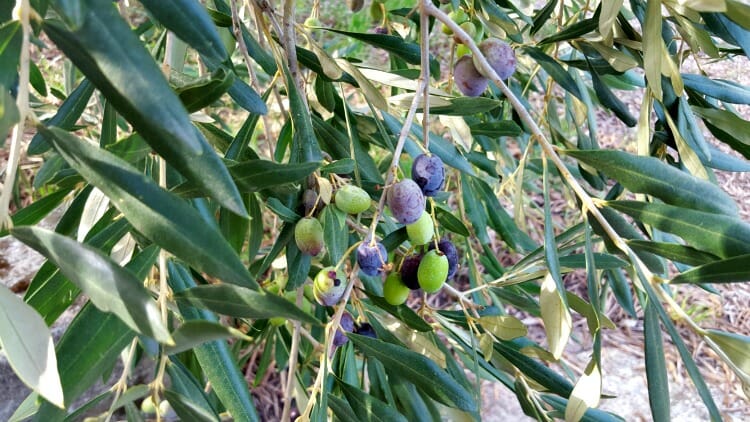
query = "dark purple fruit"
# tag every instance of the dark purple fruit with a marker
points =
(409, 271)
(406, 201)
(371, 258)
(446, 247)
(347, 326)
(366, 330)
(468, 80)
(309, 199)
(500, 55)
(429, 173)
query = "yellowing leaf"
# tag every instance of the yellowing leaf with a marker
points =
(414, 340)
(556, 317)
(503, 326)
(485, 346)
(652, 47)
(585, 394)
(368, 89)
(610, 9)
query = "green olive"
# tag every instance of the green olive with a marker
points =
(433, 271)
(422, 230)
(352, 199)
(394, 290)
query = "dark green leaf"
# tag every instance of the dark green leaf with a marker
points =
(341, 408)
(534, 370)
(408, 51)
(190, 21)
(653, 177)
(256, 175)
(673, 252)
(402, 312)
(109, 53)
(465, 106)
(732, 270)
(718, 234)
(36, 211)
(110, 287)
(194, 333)
(203, 91)
(240, 302)
(285, 213)
(156, 213)
(419, 370)
(305, 146)
(603, 261)
(542, 16)
(215, 358)
(10, 52)
(610, 100)
(66, 117)
(367, 407)
(184, 383)
(8, 114)
(656, 365)
(496, 129)
(341, 166)
(555, 70)
(335, 232)
(187, 410)
(450, 222)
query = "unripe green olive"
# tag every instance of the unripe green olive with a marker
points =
(458, 16)
(422, 230)
(352, 199)
(147, 406)
(308, 235)
(470, 30)
(433, 271)
(395, 291)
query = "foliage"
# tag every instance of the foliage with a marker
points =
(188, 140)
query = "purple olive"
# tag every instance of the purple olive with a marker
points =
(449, 250)
(347, 326)
(429, 173)
(500, 56)
(329, 286)
(409, 271)
(468, 80)
(366, 330)
(371, 258)
(406, 201)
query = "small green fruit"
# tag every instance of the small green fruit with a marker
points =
(352, 199)
(458, 16)
(308, 235)
(394, 290)
(433, 271)
(329, 286)
(147, 406)
(422, 231)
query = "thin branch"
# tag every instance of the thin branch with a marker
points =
(22, 103)
(292, 362)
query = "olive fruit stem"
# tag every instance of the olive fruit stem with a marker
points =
(122, 383)
(22, 103)
(588, 204)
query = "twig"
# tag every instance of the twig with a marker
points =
(397, 154)
(292, 362)
(424, 23)
(22, 103)
(237, 30)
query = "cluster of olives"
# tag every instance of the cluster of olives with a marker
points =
(347, 325)
(468, 74)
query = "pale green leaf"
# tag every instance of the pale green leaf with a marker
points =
(26, 342)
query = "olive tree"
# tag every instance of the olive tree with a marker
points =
(237, 181)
